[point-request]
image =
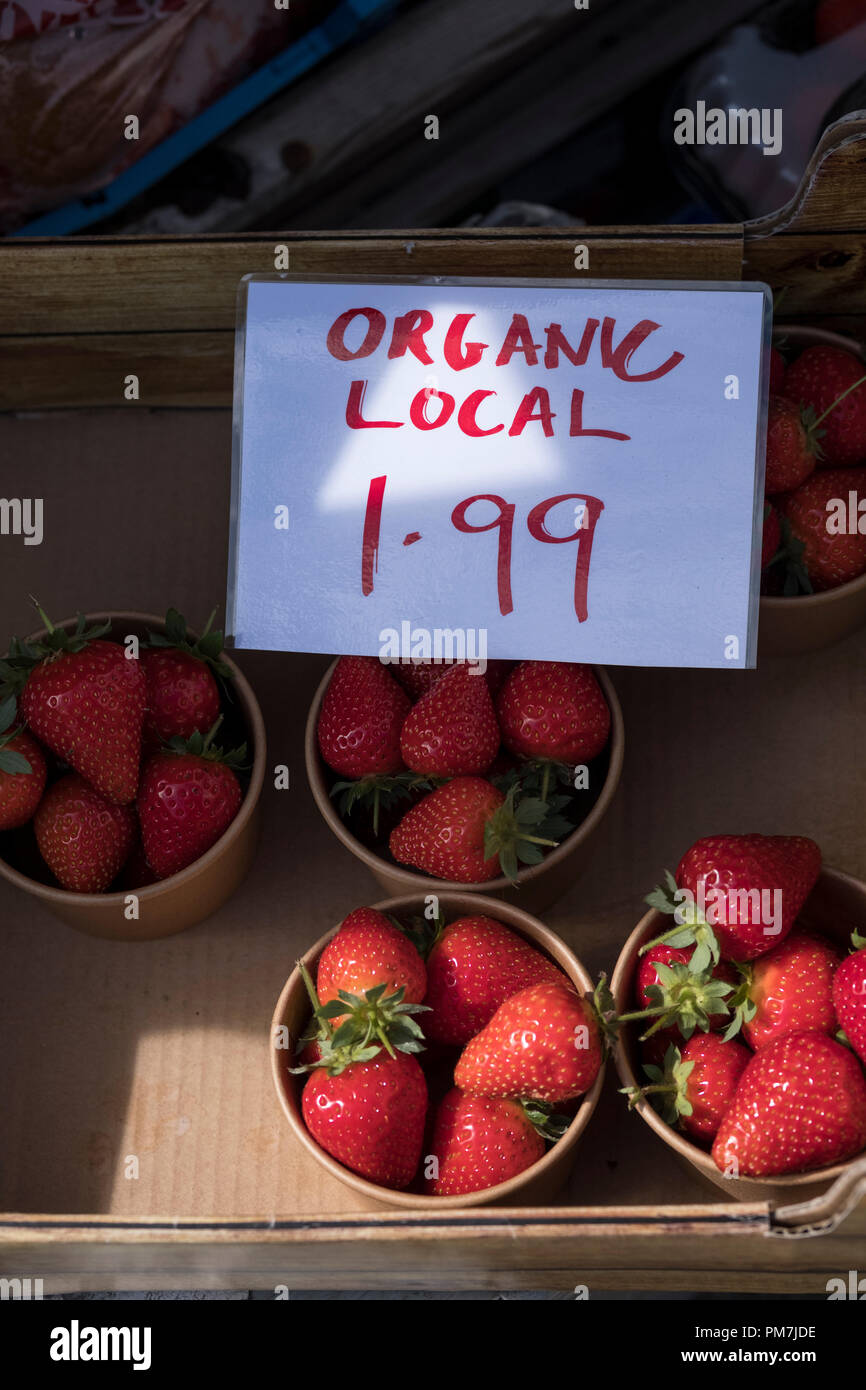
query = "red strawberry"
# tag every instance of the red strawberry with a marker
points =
(22, 770)
(189, 797)
(790, 989)
(361, 718)
(691, 998)
(792, 451)
(136, 872)
(85, 701)
(778, 367)
(541, 1044)
(800, 1105)
(553, 709)
(478, 1143)
(452, 730)
(420, 674)
(736, 878)
(831, 382)
(476, 965)
(772, 537)
(832, 555)
(83, 837)
(835, 17)
(370, 1116)
(368, 950)
(654, 1048)
(183, 697)
(468, 832)
(849, 998)
(696, 1083)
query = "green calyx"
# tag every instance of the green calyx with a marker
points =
(518, 831)
(682, 999)
(24, 656)
(379, 792)
(207, 648)
(668, 1087)
(536, 777)
(370, 1023)
(544, 1121)
(857, 941)
(423, 932)
(10, 759)
(692, 930)
(203, 746)
(740, 1002)
(814, 433)
(789, 557)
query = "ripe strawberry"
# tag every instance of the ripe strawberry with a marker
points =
(22, 770)
(418, 675)
(690, 998)
(183, 697)
(695, 1086)
(830, 557)
(849, 997)
(553, 709)
(478, 1143)
(365, 1100)
(188, 798)
(370, 1116)
(831, 383)
(800, 1105)
(772, 536)
(84, 699)
(83, 837)
(778, 367)
(789, 990)
(468, 832)
(739, 895)
(835, 17)
(541, 1044)
(474, 966)
(452, 730)
(369, 950)
(792, 447)
(136, 872)
(361, 718)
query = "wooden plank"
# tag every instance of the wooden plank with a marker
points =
(821, 273)
(832, 193)
(77, 318)
(477, 67)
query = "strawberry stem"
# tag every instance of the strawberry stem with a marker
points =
(840, 399)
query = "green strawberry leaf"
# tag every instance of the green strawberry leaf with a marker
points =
(13, 761)
(207, 648)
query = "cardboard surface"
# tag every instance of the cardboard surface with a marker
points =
(160, 1050)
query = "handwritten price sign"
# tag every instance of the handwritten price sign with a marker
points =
(558, 470)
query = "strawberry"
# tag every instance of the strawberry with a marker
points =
(800, 1105)
(792, 446)
(835, 17)
(554, 710)
(788, 990)
(361, 718)
(183, 697)
(829, 556)
(22, 770)
(849, 997)
(365, 1100)
(688, 998)
(370, 1116)
(778, 367)
(419, 674)
(84, 699)
(737, 896)
(831, 383)
(772, 535)
(695, 1086)
(369, 950)
(541, 1044)
(452, 730)
(474, 966)
(136, 872)
(468, 832)
(83, 837)
(188, 798)
(477, 1143)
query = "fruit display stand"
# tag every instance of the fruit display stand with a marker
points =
(142, 1146)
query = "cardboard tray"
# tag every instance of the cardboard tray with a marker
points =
(152, 1058)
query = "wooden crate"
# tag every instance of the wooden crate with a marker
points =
(159, 1050)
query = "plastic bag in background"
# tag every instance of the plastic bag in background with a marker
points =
(71, 73)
